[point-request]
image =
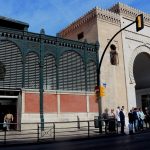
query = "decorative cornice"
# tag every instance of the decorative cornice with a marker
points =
(50, 40)
(76, 24)
(129, 12)
(97, 13)
(108, 16)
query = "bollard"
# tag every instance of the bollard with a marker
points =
(78, 122)
(54, 130)
(88, 129)
(38, 133)
(5, 135)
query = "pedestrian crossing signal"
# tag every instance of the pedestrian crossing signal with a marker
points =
(139, 22)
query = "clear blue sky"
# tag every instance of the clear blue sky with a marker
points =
(54, 15)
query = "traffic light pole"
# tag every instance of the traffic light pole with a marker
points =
(98, 75)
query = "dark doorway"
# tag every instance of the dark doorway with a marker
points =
(8, 103)
(142, 79)
(146, 101)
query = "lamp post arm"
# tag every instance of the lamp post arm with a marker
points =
(106, 49)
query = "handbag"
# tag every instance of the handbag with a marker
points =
(4, 124)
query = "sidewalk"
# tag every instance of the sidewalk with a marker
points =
(48, 136)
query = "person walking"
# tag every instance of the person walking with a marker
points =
(8, 119)
(122, 120)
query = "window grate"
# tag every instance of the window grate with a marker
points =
(71, 72)
(49, 73)
(10, 57)
(32, 71)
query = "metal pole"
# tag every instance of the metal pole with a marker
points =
(98, 75)
(41, 78)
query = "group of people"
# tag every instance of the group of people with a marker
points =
(136, 118)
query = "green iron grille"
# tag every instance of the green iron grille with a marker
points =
(32, 71)
(49, 73)
(10, 57)
(71, 72)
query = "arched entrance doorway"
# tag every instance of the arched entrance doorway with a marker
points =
(141, 73)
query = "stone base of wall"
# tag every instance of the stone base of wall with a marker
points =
(63, 117)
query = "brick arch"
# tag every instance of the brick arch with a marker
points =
(138, 50)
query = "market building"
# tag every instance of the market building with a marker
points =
(45, 78)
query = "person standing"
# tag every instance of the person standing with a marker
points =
(130, 116)
(141, 119)
(118, 116)
(8, 118)
(147, 117)
(112, 121)
(135, 119)
(122, 120)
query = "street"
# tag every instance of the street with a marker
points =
(126, 142)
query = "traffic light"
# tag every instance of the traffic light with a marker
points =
(102, 91)
(97, 94)
(139, 22)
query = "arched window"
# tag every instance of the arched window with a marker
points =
(10, 65)
(49, 73)
(32, 71)
(91, 76)
(71, 72)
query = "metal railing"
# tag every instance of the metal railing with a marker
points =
(52, 131)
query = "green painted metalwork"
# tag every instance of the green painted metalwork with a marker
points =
(30, 42)
(41, 78)
(58, 48)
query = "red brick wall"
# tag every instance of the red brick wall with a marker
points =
(72, 103)
(68, 103)
(32, 102)
(93, 103)
(50, 102)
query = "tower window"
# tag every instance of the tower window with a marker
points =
(80, 36)
(114, 60)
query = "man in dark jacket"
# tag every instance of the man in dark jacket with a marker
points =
(131, 120)
(135, 119)
(122, 120)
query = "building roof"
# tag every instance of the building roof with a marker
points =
(111, 15)
(13, 24)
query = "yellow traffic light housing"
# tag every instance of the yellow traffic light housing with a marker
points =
(102, 91)
(99, 92)
(139, 22)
